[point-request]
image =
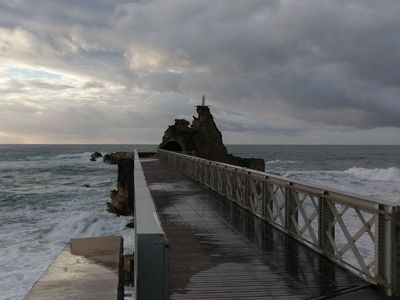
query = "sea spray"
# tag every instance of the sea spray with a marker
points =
(48, 195)
(376, 174)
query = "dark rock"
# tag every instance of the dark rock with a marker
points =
(146, 154)
(203, 139)
(122, 199)
(86, 185)
(118, 204)
(112, 209)
(129, 270)
(131, 224)
(95, 156)
(113, 158)
(252, 163)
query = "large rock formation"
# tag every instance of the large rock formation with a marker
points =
(113, 158)
(203, 139)
(122, 199)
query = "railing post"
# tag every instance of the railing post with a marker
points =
(326, 227)
(215, 178)
(388, 249)
(396, 250)
(291, 210)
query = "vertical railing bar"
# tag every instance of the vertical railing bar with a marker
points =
(326, 227)
(291, 210)
(395, 251)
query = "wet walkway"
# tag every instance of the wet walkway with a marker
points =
(220, 251)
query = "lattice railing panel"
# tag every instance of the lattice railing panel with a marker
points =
(220, 180)
(209, 176)
(355, 237)
(275, 209)
(256, 194)
(229, 181)
(240, 188)
(307, 213)
(196, 170)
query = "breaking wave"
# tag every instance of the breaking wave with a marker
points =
(278, 161)
(377, 174)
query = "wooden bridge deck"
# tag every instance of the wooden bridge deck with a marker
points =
(220, 251)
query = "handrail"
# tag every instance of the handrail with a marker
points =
(151, 253)
(334, 223)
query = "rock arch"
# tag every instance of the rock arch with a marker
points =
(172, 145)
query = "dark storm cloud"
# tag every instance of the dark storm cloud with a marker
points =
(279, 67)
(318, 56)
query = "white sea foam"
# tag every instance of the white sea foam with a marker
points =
(388, 174)
(278, 161)
(84, 155)
(29, 248)
(44, 204)
(375, 183)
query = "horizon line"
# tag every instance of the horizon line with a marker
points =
(156, 144)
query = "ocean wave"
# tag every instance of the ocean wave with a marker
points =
(311, 173)
(69, 156)
(376, 174)
(278, 161)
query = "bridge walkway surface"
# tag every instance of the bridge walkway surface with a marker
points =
(220, 251)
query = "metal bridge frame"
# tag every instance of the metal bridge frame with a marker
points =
(359, 233)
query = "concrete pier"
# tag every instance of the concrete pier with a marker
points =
(87, 268)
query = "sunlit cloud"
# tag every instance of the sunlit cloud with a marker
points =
(31, 73)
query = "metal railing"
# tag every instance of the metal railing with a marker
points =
(151, 245)
(359, 233)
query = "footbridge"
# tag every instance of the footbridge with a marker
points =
(208, 230)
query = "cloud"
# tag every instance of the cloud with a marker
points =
(276, 70)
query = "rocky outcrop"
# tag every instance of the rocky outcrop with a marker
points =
(95, 156)
(252, 163)
(122, 199)
(202, 138)
(113, 158)
(118, 204)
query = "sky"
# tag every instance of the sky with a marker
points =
(274, 72)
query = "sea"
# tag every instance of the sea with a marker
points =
(52, 193)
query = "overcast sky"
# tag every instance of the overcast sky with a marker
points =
(274, 72)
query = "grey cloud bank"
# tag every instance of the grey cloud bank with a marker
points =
(274, 71)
